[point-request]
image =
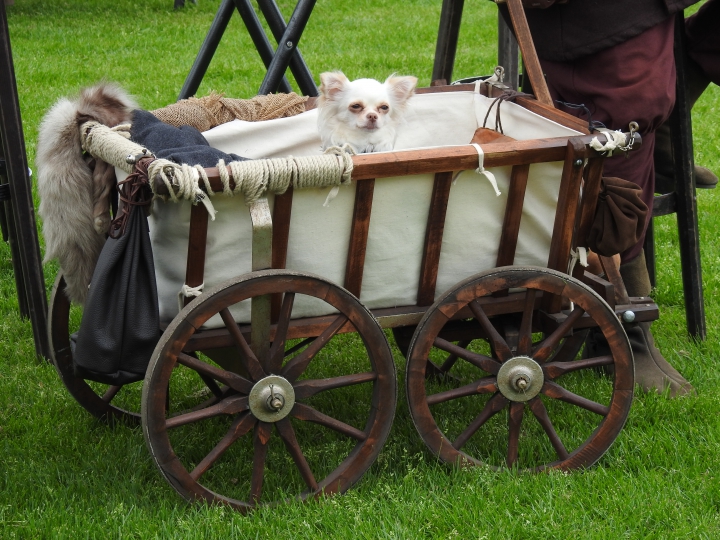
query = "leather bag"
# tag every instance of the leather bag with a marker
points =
(121, 322)
(619, 217)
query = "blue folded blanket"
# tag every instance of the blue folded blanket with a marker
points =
(180, 145)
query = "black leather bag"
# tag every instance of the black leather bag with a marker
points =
(121, 322)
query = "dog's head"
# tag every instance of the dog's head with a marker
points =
(365, 103)
(363, 106)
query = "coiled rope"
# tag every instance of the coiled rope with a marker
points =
(253, 178)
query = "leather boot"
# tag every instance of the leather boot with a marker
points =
(652, 371)
(697, 82)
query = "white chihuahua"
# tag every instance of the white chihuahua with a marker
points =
(364, 113)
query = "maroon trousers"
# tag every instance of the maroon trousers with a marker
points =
(633, 81)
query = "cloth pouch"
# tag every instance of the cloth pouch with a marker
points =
(619, 217)
(121, 322)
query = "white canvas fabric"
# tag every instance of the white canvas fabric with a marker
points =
(319, 235)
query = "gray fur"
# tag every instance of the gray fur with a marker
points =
(71, 206)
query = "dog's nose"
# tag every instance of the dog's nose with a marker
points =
(372, 117)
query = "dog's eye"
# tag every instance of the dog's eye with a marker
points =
(356, 107)
(384, 108)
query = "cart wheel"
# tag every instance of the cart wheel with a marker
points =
(519, 397)
(304, 417)
(108, 403)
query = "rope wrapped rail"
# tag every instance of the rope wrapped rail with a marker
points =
(252, 178)
(255, 178)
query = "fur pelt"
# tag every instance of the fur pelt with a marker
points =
(74, 189)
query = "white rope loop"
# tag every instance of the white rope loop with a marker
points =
(188, 292)
(615, 140)
(481, 170)
(579, 255)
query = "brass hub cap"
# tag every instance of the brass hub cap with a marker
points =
(520, 378)
(271, 399)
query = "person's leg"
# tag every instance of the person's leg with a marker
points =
(630, 82)
(695, 84)
(703, 39)
(633, 81)
(702, 49)
(652, 371)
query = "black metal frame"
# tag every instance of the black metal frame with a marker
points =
(276, 62)
(446, 47)
(17, 213)
(682, 200)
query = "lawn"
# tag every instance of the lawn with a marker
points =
(64, 474)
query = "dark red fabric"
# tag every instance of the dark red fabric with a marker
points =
(566, 32)
(632, 81)
(619, 218)
(703, 39)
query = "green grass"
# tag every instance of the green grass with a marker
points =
(65, 475)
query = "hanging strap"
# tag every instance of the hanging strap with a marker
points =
(481, 170)
(579, 255)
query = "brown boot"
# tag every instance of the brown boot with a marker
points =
(652, 371)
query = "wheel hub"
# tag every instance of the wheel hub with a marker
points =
(520, 378)
(272, 398)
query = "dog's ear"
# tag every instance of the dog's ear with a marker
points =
(401, 88)
(332, 83)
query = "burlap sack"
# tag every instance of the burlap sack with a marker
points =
(210, 111)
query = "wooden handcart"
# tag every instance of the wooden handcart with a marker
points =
(280, 382)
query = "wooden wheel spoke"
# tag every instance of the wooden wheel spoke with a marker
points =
(261, 438)
(277, 351)
(516, 415)
(570, 347)
(294, 368)
(297, 347)
(555, 391)
(240, 426)
(486, 385)
(478, 360)
(287, 434)
(452, 358)
(250, 361)
(310, 387)
(547, 346)
(553, 370)
(309, 414)
(225, 392)
(234, 381)
(540, 412)
(110, 393)
(499, 345)
(494, 405)
(525, 342)
(230, 405)
(212, 385)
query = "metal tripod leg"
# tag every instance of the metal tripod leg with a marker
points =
(29, 277)
(297, 65)
(215, 34)
(287, 46)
